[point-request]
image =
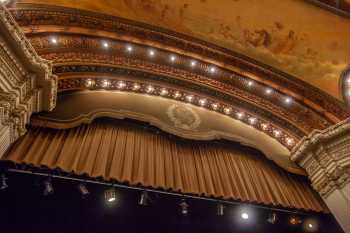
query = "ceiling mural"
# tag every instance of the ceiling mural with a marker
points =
(291, 35)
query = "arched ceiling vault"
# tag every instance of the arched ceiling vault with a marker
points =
(94, 51)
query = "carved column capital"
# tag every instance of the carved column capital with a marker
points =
(325, 155)
(27, 83)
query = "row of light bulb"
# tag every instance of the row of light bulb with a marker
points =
(192, 99)
(192, 63)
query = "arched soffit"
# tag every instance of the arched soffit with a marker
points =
(277, 33)
(78, 32)
(345, 85)
(171, 115)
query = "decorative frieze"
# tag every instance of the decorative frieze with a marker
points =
(27, 84)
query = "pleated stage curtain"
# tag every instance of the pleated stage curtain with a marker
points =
(137, 156)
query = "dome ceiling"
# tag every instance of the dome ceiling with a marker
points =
(295, 37)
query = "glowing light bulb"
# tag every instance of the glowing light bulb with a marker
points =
(268, 91)
(277, 133)
(129, 48)
(164, 92)
(177, 94)
(245, 216)
(240, 115)
(54, 40)
(151, 53)
(288, 100)
(121, 85)
(150, 89)
(215, 106)
(172, 58)
(227, 111)
(202, 102)
(252, 120)
(136, 86)
(189, 98)
(105, 44)
(212, 69)
(264, 126)
(193, 63)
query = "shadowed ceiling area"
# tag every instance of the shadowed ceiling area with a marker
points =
(292, 36)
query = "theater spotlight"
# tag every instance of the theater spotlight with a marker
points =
(294, 220)
(3, 182)
(220, 209)
(110, 195)
(272, 218)
(48, 188)
(184, 207)
(144, 199)
(83, 190)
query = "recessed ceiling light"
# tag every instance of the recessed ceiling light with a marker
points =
(172, 58)
(177, 94)
(264, 126)
(189, 98)
(227, 110)
(240, 115)
(268, 91)
(202, 102)
(252, 120)
(164, 92)
(105, 83)
(215, 106)
(288, 100)
(151, 53)
(277, 133)
(129, 48)
(290, 141)
(89, 83)
(150, 89)
(193, 63)
(54, 40)
(212, 69)
(136, 86)
(310, 225)
(121, 84)
(250, 83)
(105, 44)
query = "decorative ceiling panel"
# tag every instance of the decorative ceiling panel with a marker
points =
(295, 37)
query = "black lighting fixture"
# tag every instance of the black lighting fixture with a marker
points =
(220, 209)
(184, 207)
(83, 190)
(48, 188)
(110, 195)
(295, 220)
(4, 184)
(144, 199)
(272, 218)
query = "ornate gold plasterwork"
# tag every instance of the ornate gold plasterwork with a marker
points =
(27, 83)
(325, 154)
(183, 117)
(36, 20)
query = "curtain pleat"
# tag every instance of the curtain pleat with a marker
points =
(136, 156)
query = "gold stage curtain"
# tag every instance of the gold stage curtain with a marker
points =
(137, 156)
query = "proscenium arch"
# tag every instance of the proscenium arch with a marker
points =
(82, 107)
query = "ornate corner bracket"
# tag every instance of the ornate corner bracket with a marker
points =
(27, 84)
(325, 155)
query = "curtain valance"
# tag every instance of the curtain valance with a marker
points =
(139, 157)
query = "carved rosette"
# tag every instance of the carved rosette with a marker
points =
(325, 155)
(27, 84)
